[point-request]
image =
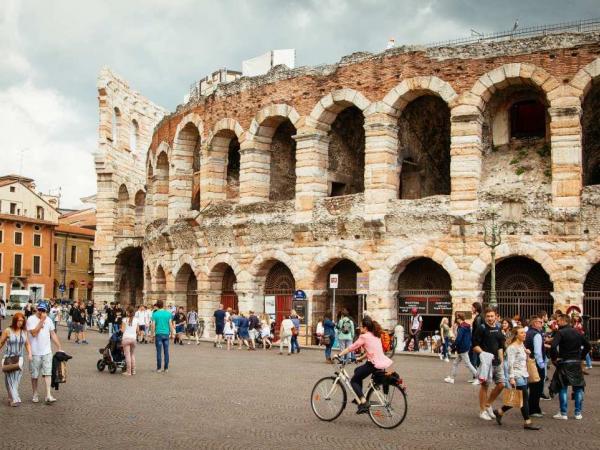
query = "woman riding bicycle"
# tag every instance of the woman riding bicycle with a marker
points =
(369, 339)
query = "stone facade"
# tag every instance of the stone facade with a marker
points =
(398, 156)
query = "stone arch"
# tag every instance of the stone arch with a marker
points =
(185, 156)
(222, 275)
(587, 88)
(412, 88)
(265, 260)
(324, 261)
(186, 287)
(423, 145)
(589, 260)
(271, 134)
(125, 214)
(161, 186)
(185, 259)
(220, 176)
(223, 258)
(129, 275)
(481, 265)
(140, 205)
(160, 281)
(340, 115)
(396, 263)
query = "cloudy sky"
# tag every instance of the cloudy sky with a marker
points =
(51, 52)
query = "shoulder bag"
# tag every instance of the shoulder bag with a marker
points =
(513, 398)
(534, 375)
(13, 363)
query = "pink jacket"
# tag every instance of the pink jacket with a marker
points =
(372, 346)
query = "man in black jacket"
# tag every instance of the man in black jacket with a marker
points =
(568, 349)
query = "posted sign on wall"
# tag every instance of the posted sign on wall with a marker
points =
(333, 281)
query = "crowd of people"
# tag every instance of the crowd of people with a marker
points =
(510, 354)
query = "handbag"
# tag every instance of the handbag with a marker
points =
(534, 375)
(325, 340)
(512, 398)
(13, 363)
(294, 331)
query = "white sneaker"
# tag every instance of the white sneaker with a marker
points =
(490, 412)
(578, 416)
(50, 399)
(447, 360)
(449, 380)
(484, 415)
(474, 382)
(559, 416)
(35, 398)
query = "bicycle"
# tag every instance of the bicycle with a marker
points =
(385, 393)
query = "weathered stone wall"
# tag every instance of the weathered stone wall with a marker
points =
(380, 233)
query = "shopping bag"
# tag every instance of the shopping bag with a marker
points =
(534, 375)
(513, 398)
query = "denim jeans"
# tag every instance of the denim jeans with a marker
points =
(345, 343)
(564, 405)
(445, 347)
(115, 327)
(162, 340)
(588, 361)
(295, 345)
(328, 349)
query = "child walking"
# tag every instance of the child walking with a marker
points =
(229, 332)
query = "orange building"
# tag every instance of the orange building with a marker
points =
(27, 223)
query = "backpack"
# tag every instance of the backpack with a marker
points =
(347, 326)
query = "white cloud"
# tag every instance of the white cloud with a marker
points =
(44, 141)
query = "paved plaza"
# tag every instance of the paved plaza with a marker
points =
(212, 398)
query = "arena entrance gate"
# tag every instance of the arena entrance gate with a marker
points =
(229, 298)
(281, 284)
(523, 288)
(424, 285)
(591, 303)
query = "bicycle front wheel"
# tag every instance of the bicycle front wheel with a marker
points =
(387, 410)
(328, 399)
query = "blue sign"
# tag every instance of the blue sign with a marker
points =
(61, 288)
(299, 295)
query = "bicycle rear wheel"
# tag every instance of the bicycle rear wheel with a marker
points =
(390, 412)
(328, 399)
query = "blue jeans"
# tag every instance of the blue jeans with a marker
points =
(588, 361)
(328, 348)
(564, 405)
(446, 347)
(162, 340)
(115, 327)
(295, 345)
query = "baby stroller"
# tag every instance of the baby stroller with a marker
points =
(112, 355)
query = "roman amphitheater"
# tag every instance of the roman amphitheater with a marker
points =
(387, 164)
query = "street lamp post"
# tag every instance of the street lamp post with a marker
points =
(492, 238)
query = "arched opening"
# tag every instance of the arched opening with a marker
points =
(590, 124)
(196, 161)
(233, 170)
(425, 285)
(161, 187)
(223, 282)
(160, 285)
(345, 295)
(186, 288)
(129, 276)
(516, 142)
(346, 158)
(279, 290)
(55, 289)
(124, 213)
(522, 287)
(115, 125)
(140, 203)
(283, 163)
(134, 135)
(72, 290)
(424, 148)
(185, 155)
(591, 303)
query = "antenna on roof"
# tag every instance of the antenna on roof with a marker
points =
(516, 25)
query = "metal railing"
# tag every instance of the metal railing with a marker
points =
(522, 303)
(591, 308)
(580, 26)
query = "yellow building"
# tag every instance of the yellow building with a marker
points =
(73, 255)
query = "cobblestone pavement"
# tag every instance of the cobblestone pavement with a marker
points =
(212, 398)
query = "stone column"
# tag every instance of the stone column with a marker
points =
(564, 299)
(381, 163)
(213, 171)
(104, 257)
(463, 299)
(255, 170)
(565, 138)
(312, 148)
(465, 154)
(381, 302)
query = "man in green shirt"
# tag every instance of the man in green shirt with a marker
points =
(163, 329)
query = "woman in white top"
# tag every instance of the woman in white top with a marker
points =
(265, 331)
(285, 335)
(130, 329)
(517, 355)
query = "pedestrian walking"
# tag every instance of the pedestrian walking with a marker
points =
(253, 328)
(118, 318)
(140, 315)
(16, 340)
(110, 318)
(567, 351)
(506, 327)
(285, 335)
(244, 332)
(192, 326)
(2, 312)
(416, 323)
(445, 337)
(41, 335)
(54, 314)
(516, 355)
(328, 336)
(219, 321)
(89, 310)
(81, 320)
(180, 322)
(462, 345)
(229, 332)
(148, 311)
(345, 328)
(295, 331)
(534, 343)
(488, 342)
(476, 322)
(265, 332)
(130, 328)
(71, 326)
(163, 329)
